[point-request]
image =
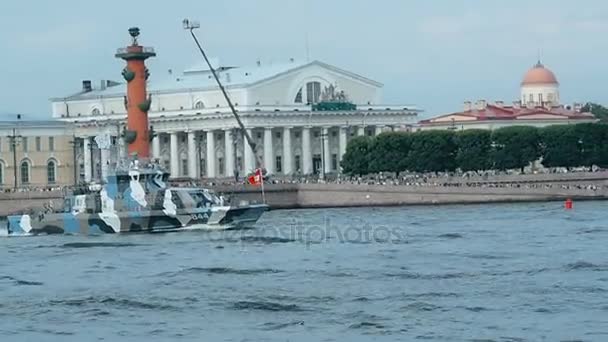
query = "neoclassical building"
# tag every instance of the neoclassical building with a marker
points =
(538, 105)
(196, 133)
(35, 154)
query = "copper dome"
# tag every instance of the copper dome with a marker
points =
(539, 75)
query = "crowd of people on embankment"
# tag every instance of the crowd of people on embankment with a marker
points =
(471, 179)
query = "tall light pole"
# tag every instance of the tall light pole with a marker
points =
(14, 144)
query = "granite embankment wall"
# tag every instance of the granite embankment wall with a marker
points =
(284, 196)
(522, 188)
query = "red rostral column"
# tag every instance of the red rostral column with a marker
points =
(137, 102)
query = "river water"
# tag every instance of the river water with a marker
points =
(511, 272)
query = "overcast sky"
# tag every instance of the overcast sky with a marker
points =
(435, 54)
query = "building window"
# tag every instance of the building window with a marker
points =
(51, 144)
(298, 98)
(199, 105)
(279, 164)
(334, 161)
(167, 164)
(1, 172)
(95, 111)
(24, 143)
(51, 171)
(531, 98)
(297, 160)
(277, 135)
(259, 135)
(296, 134)
(540, 98)
(25, 172)
(316, 134)
(38, 144)
(313, 92)
(334, 133)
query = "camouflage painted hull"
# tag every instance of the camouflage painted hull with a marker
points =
(154, 221)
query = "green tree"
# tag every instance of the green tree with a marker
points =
(515, 147)
(596, 109)
(357, 157)
(389, 152)
(432, 151)
(474, 146)
(560, 146)
(593, 140)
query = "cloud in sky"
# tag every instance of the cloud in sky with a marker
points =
(435, 54)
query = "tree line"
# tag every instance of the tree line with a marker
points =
(506, 148)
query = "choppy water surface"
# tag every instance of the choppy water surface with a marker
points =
(525, 272)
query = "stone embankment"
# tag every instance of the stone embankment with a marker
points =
(450, 190)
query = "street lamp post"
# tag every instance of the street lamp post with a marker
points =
(14, 144)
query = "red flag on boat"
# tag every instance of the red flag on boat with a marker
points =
(256, 179)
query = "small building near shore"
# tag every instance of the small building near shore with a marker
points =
(41, 153)
(539, 105)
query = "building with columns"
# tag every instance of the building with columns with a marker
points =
(539, 105)
(196, 133)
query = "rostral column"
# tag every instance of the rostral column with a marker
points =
(137, 102)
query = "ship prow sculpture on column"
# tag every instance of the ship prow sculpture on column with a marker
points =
(135, 196)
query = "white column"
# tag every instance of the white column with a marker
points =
(156, 146)
(87, 160)
(105, 163)
(306, 152)
(174, 155)
(229, 154)
(360, 130)
(268, 150)
(287, 153)
(249, 157)
(343, 142)
(327, 152)
(210, 154)
(192, 155)
(378, 129)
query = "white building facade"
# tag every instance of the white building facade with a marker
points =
(196, 133)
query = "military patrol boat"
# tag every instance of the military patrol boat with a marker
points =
(135, 196)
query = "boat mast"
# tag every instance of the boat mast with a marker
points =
(190, 26)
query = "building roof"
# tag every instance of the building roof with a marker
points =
(200, 78)
(494, 112)
(539, 75)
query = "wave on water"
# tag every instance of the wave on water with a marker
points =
(421, 306)
(584, 265)
(421, 276)
(451, 236)
(367, 325)
(113, 302)
(265, 306)
(20, 282)
(97, 244)
(221, 270)
(278, 326)
(265, 239)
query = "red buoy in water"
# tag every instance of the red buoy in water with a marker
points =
(568, 204)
